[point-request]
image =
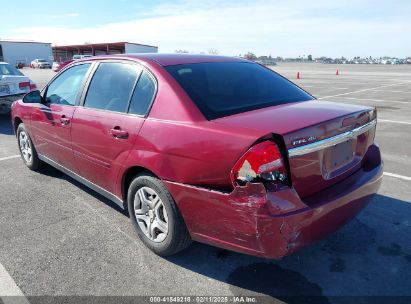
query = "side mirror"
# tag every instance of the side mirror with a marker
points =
(33, 97)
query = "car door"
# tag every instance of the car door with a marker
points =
(51, 121)
(102, 132)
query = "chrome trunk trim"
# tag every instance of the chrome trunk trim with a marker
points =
(331, 141)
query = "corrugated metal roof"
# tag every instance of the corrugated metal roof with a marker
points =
(23, 41)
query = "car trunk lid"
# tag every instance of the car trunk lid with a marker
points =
(326, 141)
(14, 85)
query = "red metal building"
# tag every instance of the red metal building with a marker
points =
(66, 52)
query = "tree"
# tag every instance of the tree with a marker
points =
(181, 51)
(250, 56)
(310, 58)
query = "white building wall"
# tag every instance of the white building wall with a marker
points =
(26, 52)
(134, 48)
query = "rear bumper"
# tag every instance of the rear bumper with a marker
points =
(254, 221)
(6, 101)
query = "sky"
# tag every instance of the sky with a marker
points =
(286, 28)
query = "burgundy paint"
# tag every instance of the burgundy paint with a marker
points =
(194, 158)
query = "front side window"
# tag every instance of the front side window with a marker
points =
(143, 95)
(65, 89)
(112, 86)
(225, 88)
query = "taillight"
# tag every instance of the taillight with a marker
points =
(261, 163)
(33, 87)
(23, 85)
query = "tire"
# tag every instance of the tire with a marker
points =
(177, 237)
(26, 147)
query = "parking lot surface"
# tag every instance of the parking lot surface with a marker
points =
(59, 238)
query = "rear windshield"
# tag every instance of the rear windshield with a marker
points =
(6, 69)
(225, 88)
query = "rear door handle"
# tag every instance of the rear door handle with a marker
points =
(64, 120)
(118, 133)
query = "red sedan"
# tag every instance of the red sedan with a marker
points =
(213, 149)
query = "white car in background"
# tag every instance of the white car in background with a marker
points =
(57, 66)
(40, 64)
(13, 86)
(78, 57)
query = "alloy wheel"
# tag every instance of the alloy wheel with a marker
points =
(151, 215)
(25, 147)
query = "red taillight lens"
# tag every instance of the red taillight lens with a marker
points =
(262, 162)
(33, 87)
(23, 85)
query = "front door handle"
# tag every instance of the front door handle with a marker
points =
(118, 133)
(64, 120)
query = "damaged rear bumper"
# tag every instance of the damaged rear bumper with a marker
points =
(255, 221)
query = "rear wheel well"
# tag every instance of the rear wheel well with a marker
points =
(17, 122)
(129, 176)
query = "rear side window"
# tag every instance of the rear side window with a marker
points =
(225, 88)
(66, 88)
(8, 70)
(112, 86)
(143, 95)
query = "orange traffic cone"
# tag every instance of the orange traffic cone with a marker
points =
(337, 73)
(298, 75)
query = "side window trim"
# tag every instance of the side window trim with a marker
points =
(155, 91)
(87, 83)
(154, 79)
(134, 90)
(82, 87)
(134, 87)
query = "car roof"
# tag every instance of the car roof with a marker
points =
(172, 59)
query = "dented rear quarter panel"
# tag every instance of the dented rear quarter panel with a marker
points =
(200, 154)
